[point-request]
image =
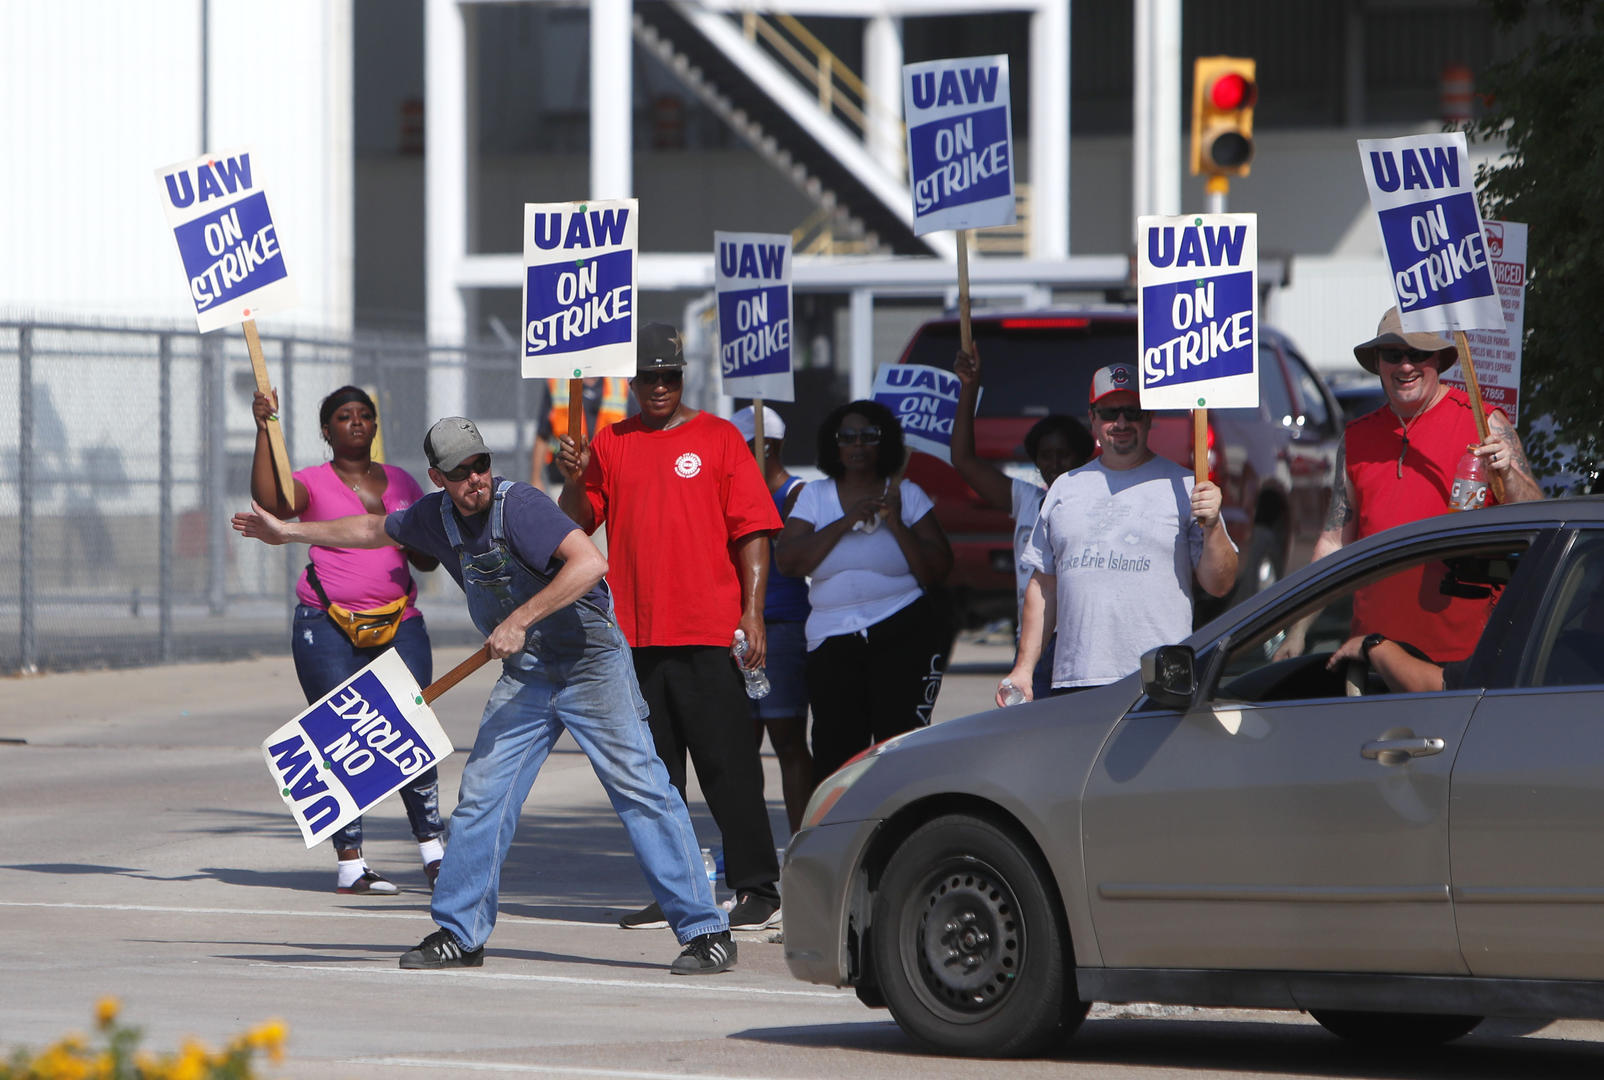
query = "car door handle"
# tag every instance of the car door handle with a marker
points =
(1394, 751)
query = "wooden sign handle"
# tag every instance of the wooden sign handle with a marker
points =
(758, 438)
(966, 334)
(275, 433)
(1477, 408)
(1200, 445)
(576, 411)
(456, 675)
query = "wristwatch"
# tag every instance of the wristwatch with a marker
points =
(1370, 642)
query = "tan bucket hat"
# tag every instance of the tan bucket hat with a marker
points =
(1391, 332)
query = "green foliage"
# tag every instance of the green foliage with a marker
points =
(1547, 105)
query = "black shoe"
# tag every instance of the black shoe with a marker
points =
(432, 872)
(754, 911)
(649, 917)
(441, 949)
(371, 883)
(708, 954)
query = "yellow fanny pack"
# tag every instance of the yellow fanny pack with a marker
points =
(366, 629)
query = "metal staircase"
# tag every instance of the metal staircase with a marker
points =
(734, 74)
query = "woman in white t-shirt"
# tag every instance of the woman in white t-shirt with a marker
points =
(870, 547)
(1056, 444)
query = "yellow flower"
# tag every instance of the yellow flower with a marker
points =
(269, 1037)
(106, 1011)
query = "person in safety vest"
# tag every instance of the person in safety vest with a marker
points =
(606, 401)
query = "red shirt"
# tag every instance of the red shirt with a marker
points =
(1409, 606)
(674, 503)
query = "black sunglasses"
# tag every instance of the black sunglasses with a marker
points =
(462, 472)
(668, 378)
(1119, 412)
(1398, 356)
(868, 436)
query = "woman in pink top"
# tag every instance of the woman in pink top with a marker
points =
(353, 483)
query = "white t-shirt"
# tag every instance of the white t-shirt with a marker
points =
(1123, 545)
(865, 578)
(1026, 498)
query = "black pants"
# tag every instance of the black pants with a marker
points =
(866, 687)
(699, 705)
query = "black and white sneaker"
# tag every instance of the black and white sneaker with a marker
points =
(649, 917)
(754, 911)
(441, 949)
(705, 955)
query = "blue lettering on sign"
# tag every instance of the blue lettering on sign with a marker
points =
(1411, 168)
(215, 180)
(570, 308)
(966, 86)
(762, 261)
(754, 330)
(597, 228)
(1193, 331)
(1200, 246)
(296, 767)
(925, 402)
(231, 251)
(361, 734)
(1436, 252)
(960, 160)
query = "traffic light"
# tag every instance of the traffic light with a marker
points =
(1224, 91)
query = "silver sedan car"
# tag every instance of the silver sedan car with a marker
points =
(1246, 823)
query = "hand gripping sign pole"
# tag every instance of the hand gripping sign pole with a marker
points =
(1467, 366)
(275, 433)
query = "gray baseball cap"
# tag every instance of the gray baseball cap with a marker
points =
(451, 442)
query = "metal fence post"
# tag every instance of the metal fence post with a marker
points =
(25, 583)
(214, 469)
(164, 512)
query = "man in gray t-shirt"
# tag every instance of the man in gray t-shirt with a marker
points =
(1116, 549)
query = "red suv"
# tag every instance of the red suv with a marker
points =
(1273, 463)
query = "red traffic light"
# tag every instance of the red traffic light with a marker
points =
(1231, 91)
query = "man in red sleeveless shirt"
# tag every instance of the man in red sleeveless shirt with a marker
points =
(1397, 465)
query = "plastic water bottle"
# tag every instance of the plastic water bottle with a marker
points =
(1012, 695)
(713, 865)
(1470, 484)
(757, 680)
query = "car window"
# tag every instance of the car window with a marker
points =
(1275, 400)
(1257, 670)
(1570, 643)
(1031, 366)
(1316, 417)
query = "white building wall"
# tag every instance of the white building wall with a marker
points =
(101, 94)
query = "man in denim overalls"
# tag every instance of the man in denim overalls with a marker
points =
(534, 585)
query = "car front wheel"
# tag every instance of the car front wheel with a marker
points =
(969, 946)
(1394, 1030)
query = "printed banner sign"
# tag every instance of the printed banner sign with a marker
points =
(226, 238)
(1422, 188)
(960, 143)
(358, 744)
(1197, 280)
(579, 289)
(752, 276)
(925, 401)
(1497, 352)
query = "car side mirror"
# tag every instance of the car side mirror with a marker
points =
(1169, 675)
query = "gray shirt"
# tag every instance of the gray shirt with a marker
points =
(1123, 546)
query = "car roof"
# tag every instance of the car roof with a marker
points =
(1118, 313)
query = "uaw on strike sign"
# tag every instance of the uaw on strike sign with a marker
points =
(579, 289)
(960, 143)
(1423, 192)
(355, 746)
(1197, 282)
(226, 238)
(752, 278)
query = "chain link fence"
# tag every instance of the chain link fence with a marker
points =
(131, 448)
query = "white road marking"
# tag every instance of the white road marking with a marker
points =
(158, 909)
(693, 984)
(550, 1070)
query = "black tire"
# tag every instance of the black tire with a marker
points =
(970, 949)
(1399, 1031)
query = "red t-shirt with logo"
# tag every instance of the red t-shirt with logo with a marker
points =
(1410, 606)
(674, 503)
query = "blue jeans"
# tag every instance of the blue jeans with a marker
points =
(325, 658)
(598, 703)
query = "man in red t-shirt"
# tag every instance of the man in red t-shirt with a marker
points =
(1396, 465)
(688, 521)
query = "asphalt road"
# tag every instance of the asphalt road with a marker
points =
(147, 856)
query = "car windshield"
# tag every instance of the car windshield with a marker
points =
(1032, 367)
